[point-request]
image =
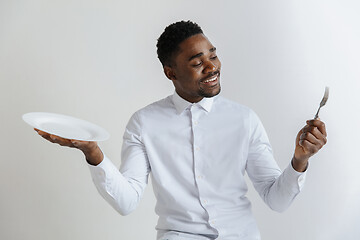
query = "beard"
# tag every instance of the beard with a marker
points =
(210, 94)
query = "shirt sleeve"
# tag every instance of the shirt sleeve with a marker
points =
(123, 188)
(277, 189)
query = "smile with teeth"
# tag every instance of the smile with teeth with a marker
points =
(211, 79)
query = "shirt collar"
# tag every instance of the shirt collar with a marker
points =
(181, 104)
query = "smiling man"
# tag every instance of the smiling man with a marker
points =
(197, 146)
(195, 70)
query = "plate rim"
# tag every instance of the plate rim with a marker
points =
(104, 135)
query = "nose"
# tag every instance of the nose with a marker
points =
(209, 67)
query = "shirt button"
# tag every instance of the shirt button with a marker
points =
(197, 148)
(196, 122)
(204, 201)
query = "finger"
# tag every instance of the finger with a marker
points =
(308, 146)
(84, 145)
(314, 131)
(61, 141)
(319, 124)
(42, 133)
(77, 143)
(308, 136)
(45, 135)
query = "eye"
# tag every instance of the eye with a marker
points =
(214, 57)
(197, 65)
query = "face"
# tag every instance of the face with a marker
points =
(196, 69)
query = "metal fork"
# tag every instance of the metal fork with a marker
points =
(323, 101)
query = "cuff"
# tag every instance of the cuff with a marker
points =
(294, 178)
(100, 172)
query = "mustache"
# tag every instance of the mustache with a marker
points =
(210, 75)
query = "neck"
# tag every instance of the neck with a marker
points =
(190, 99)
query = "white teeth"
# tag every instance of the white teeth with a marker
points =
(211, 79)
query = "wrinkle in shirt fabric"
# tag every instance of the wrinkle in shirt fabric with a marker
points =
(197, 155)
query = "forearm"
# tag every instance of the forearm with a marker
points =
(280, 193)
(121, 193)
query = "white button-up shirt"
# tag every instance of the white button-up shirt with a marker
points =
(197, 155)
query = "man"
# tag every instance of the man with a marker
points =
(197, 147)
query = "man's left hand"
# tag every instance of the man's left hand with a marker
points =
(309, 141)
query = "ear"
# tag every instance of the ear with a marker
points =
(169, 72)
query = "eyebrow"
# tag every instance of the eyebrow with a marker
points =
(213, 49)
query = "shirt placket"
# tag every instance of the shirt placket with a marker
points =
(200, 177)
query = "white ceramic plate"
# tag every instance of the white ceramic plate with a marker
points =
(66, 126)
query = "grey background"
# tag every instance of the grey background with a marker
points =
(96, 60)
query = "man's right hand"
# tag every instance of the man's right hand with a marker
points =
(91, 150)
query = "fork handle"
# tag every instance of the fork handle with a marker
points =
(317, 113)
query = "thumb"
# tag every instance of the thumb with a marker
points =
(76, 143)
(83, 145)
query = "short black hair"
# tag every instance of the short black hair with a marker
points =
(173, 35)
